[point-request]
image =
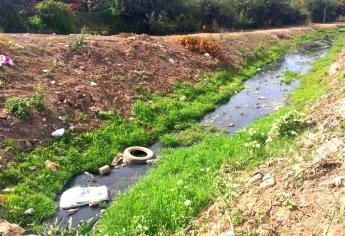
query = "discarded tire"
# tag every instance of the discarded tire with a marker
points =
(137, 155)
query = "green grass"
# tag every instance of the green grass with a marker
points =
(36, 186)
(156, 204)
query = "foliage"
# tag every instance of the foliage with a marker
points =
(288, 125)
(159, 16)
(38, 100)
(323, 10)
(56, 16)
(17, 106)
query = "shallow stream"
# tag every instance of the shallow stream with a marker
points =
(262, 94)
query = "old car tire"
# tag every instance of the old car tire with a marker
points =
(131, 159)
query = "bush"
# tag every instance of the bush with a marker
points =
(323, 10)
(38, 100)
(288, 125)
(17, 106)
(56, 16)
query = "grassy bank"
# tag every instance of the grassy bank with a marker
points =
(183, 183)
(36, 186)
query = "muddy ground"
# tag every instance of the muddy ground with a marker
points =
(105, 73)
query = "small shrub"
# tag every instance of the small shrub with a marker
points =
(80, 40)
(106, 115)
(38, 100)
(17, 106)
(288, 125)
(289, 76)
(56, 16)
(201, 45)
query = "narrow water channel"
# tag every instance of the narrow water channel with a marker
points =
(262, 95)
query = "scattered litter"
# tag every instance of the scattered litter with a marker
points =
(6, 60)
(338, 181)
(92, 177)
(51, 165)
(151, 162)
(206, 54)
(58, 133)
(171, 60)
(257, 177)
(104, 170)
(231, 125)
(53, 82)
(45, 71)
(29, 211)
(78, 196)
(93, 84)
(8, 190)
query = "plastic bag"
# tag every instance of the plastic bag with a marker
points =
(6, 60)
(78, 196)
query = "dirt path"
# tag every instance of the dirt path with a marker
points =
(107, 73)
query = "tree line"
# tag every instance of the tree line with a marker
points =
(161, 16)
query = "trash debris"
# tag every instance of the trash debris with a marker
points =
(78, 196)
(104, 170)
(151, 162)
(92, 177)
(29, 211)
(171, 60)
(206, 54)
(58, 133)
(51, 165)
(231, 125)
(45, 71)
(137, 155)
(338, 181)
(8, 229)
(93, 84)
(6, 60)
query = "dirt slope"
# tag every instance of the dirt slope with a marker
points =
(301, 194)
(107, 73)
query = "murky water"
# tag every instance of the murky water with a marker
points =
(263, 94)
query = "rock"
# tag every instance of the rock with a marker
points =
(51, 165)
(104, 170)
(257, 177)
(72, 211)
(267, 181)
(29, 211)
(151, 162)
(58, 133)
(8, 229)
(118, 160)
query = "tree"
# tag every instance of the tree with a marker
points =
(56, 16)
(323, 10)
(13, 15)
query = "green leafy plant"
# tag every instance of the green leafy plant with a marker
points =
(17, 106)
(80, 39)
(38, 100)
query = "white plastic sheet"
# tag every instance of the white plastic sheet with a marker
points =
(78, 196)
